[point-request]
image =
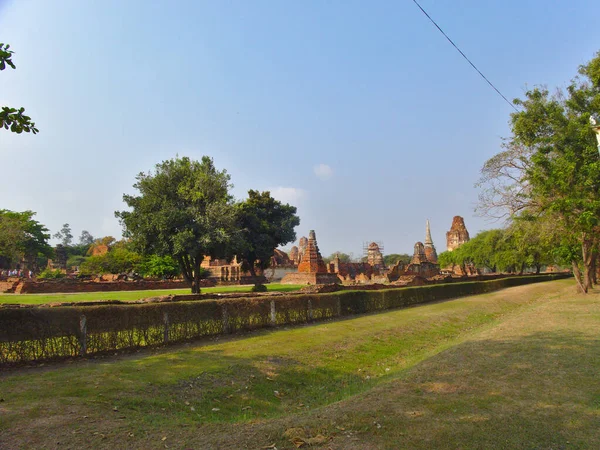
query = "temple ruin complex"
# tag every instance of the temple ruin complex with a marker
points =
(423, 264)
(304, 263)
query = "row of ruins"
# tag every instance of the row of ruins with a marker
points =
(304, 263)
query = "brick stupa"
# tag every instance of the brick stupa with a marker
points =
(312, 269)
(457, 235)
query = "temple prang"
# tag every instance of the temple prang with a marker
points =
(457, 235)
(312, 269)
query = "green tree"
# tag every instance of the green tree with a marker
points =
(65, 236)
(265, 224)
(183, 210)
(159, 267)
(533, 240)
(22, 239)
(11, 118)
(393, 258)
(86, 238)
(344, 257)
(561, 177)
(119, 259)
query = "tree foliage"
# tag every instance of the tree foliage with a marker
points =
(120, 259)
(551, 168)
(86, 238)
(524, 245)
(265, 224)
(344, 257)
(159, 267)
(183, 210)
(65, 236)
(22, 239)
(13, 119)
(393, 258)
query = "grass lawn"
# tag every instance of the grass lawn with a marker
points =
(38, 299)
(517, 368)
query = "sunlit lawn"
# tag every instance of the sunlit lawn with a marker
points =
(130, 295)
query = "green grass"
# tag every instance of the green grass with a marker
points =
(511, 369)
(38, 299)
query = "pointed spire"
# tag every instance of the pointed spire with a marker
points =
(428, 240)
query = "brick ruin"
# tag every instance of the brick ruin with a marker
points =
(457, 235)
(228, 272)
(430, 252)
(309, 268)
(424, 264)
(312, 269)
(374, 256)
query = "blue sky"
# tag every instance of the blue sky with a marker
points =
(359, 113)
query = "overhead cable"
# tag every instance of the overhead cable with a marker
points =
(465, 56)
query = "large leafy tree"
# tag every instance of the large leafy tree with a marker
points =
(22, 239)
(183, 210)
(265, 224)
(553, 171)
(13, 119)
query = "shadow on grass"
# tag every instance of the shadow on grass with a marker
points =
(537, 391)
(223, 388)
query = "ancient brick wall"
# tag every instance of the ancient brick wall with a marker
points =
(69, 286)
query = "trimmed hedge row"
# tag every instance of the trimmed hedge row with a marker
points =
(35, 334)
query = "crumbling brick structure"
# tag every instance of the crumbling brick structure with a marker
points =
(457, 235)
(312, 269)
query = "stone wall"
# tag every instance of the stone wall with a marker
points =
(69, 286)
(8, 285)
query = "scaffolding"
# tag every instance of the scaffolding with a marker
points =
(366, 244)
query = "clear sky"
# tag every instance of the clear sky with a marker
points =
(360, 113)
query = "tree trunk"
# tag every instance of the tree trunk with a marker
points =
(577, 274)
(588, 262)
(538, 267)
(595, 267)
(188, 273)
(522, 269)
(252, 271)
(196, 279)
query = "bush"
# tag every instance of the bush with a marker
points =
(75, 261)
(159, 267)
(49, 274)
(259, 288)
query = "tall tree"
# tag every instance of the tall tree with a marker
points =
(183, 210)
(64, 235)
(559, 174)
(86, 238)
(13, 119)
(265, 224)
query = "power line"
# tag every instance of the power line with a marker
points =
(465, 56)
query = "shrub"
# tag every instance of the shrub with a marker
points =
(49, 274)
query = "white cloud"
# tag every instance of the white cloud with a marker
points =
(289, 195)
(323, 171)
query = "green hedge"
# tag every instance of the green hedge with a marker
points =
(40, 333)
